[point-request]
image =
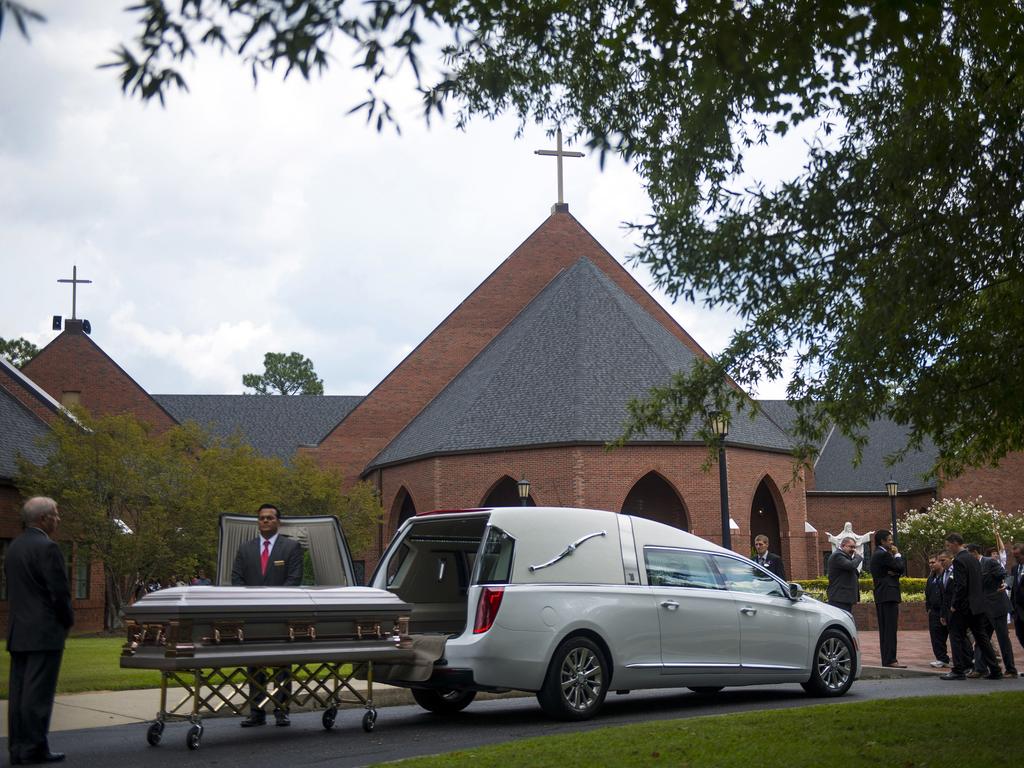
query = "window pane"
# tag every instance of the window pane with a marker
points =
(3, 573)
(81, 575)
(676, 568)
(746, 577)
(496, 558)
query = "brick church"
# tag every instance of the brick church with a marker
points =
(527, 378)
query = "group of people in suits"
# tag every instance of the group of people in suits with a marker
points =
(967, 600)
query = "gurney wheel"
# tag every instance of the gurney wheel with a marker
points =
(369, 720)
(154, 732)
(328, 719)
(195, 733)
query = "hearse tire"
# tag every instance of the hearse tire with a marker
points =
(442, 701)
(832, 666)
(706, 690)
(577, 681)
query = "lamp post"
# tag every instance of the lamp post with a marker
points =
(524, 491)
(720, 426)
(892, 488)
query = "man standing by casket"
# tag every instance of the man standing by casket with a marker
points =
(270, 560)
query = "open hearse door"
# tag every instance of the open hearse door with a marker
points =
(327, 561)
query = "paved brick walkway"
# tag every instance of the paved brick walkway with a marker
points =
(914, 649)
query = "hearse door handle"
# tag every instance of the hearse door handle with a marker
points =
(748, 611)
(670, 604)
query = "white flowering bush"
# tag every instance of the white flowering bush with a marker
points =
(923, 532)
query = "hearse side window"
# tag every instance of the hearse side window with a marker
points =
(396, 562)
(494, 566)
(746, 577)
(678, 568)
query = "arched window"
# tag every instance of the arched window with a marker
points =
(764, 515)
(505, 493)
(652, 497)
(403, 508)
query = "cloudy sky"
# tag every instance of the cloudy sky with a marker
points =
(237, 221)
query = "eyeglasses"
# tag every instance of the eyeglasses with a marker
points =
(267, 517)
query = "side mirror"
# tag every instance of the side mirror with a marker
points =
(795, 591)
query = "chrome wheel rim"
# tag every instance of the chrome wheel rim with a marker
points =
(835, 663)
(581, 679)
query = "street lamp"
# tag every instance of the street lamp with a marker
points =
(720, 426)
(892, 488)
(524, 491)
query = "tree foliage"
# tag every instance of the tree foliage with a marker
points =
(18, 351)
(290, 374)
(923, 532)
(21, 14)
(890, 266)
(111, 474)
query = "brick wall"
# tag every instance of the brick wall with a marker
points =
(590, 476)
(1002, 486)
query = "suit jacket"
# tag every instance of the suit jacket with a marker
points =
(773, 563)
(993, 577)
(39, 595)
(947, 591)
(843, 577)
(886, 570)
(1017, 591)
(967, 593)
(284, 568)
(933, 593)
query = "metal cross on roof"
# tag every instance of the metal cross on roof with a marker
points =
(559, 153)
(74, 289)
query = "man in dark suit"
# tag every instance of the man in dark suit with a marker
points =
(997, 605)
(967, 611)
(843, 575)
(937, 630)
(270, 560)
(1017, 592)
(767, 559)
(40, 617)
(886, 568)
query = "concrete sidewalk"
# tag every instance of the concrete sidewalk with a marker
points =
(94, 710)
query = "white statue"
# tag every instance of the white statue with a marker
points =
(847, 532)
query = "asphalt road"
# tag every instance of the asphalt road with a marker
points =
(410, 731)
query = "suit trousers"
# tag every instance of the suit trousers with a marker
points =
(1018, 628)
(963, 650)
(981, 628)
(848, 607)
(32, 688)
(888, 623)
(282, 677)
(1002, 630)
(939, 634)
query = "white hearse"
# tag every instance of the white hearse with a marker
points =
(570, 603)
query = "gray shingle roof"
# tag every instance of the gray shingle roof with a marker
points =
(20, 429)
(275, 425)
(561, 372)
(834, 471)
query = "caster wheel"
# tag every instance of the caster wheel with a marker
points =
(154, 732)
(329, 717)
(369, 720)
(195, 733)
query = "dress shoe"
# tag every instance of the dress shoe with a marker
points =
(1010, 673)
(43, 757)
(254, 720)
(282, 719)
(997, 675)
(895, 665)
(952, 676)
(974, 674)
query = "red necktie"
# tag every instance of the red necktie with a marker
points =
(265, 557)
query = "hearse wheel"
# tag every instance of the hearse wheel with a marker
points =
(369, 720)
(443, 701)
(195, 733)
(832, 666)
(329, 716)
(706, 690)
(154, 732)
(577, 681)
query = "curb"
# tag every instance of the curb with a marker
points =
(889, 673)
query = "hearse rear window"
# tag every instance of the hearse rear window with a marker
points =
(494, 565)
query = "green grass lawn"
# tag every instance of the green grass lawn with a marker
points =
(908, 733)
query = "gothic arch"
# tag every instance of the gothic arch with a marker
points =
(505, 493)
(768, 514)
(402, 509)
(654, 497)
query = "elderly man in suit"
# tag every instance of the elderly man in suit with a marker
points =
(269, 560)
(843, 575)
(997, 604)
(767, 559)
(938, 632)
(1017, 592)
(967, 611)
(887, 566)
(40, 616)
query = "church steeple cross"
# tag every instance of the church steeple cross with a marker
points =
(74, 289)
(559, 153)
